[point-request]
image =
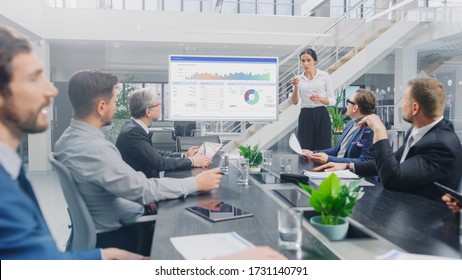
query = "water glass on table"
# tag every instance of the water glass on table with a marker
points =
(224, 163)
(267, 158)
(243, 171)
(284, 164)
(290, 229)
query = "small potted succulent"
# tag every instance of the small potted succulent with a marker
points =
(254, 155)
(334, 202)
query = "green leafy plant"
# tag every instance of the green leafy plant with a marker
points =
(338, 118)
(334, 200)
(252, 153)
(122, 111)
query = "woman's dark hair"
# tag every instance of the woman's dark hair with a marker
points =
(310, 52)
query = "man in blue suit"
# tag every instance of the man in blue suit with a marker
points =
(354, 143)
(25, 92)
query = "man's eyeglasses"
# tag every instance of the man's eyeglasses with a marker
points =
(153, 106)
(351, 102)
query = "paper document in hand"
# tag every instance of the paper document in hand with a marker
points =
(294, 144)
(342, 174)
(209, 149)
(209, 246)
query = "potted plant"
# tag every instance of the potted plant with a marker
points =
(334, 202)
(254, 155)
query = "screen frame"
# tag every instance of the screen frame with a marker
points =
(219, 117)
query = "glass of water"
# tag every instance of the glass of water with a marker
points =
(290, 228)
(267, 158)
(284, 164)
(243, 172)
(224, 163)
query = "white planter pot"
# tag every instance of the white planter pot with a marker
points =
(333, 232)
(254, 169)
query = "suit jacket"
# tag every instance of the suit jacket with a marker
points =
(23, 231)
(437, 157)
(357, 147)
(136, 149)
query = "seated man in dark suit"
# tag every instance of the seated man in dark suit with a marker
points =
(431, 153)
(353, 145)
(134, 141)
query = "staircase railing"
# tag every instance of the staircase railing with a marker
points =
(335, 44)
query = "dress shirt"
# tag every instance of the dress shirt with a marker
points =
(113, 191)
(417, 134)
(321, 84)
(23, 231)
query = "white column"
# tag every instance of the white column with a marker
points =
(405, 70)
(40, 143)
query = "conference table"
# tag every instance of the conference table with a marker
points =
(382, 222)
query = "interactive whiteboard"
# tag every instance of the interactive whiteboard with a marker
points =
(223, 88)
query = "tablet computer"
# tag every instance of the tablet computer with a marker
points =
(219, 211)
(444, 189)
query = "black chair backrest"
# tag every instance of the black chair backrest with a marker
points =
(184, 143)
(184, 128)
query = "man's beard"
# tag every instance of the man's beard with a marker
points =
(9, 114)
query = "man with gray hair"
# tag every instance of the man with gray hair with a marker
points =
(135, 145)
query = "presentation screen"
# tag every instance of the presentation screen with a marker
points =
(223, 88)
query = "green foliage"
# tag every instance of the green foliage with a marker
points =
(252, 153)
(334, 200)
(338, 118)
(122, 110)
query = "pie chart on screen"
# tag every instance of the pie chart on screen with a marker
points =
(251, 96)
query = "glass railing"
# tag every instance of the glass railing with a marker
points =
(262, 7)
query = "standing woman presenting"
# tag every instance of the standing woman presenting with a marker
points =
(314, 89)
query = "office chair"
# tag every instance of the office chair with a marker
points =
(83, 232)
(184, 143)
(183, 128)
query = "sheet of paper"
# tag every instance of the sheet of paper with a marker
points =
(363, 183)
(342, 174)
(209, 246)
(398, 255)
(209, 149)
(294, 144)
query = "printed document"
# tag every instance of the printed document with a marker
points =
(209, 246)
(294, 144)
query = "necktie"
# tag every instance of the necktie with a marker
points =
(409, 143)
(26, 186)
(344, 145)
(150, 136)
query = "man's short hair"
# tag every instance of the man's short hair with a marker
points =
(87, 87)
(139, 101)
(365, 100)
(11, 44)
(429, 93)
